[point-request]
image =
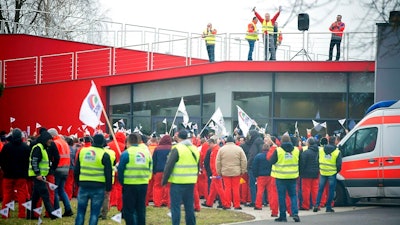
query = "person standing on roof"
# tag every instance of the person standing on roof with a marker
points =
(209, 36)
(268, 32)
(252, 37)
(337, 29)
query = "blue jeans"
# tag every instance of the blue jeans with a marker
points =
(210, 52)
(60, 191)
(134, 201)
(251, 48)
(96, 196)
(332, 186)
(252, 185)
(182, 193)
(289, 186)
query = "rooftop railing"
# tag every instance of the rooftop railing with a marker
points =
(162, 49)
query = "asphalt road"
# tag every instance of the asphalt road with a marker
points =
(365, 214)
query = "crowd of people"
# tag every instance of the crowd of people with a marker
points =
(129, 171)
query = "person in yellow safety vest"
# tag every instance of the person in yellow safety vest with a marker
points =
(93, 172)
(330, 163)
(135, 172)
(209, 37)
(268, 32)
(61, 173)
(39, 166)
(181, 170)
(252, 37)
(106, 203)
(285, 169)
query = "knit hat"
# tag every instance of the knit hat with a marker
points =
(53, 132)
(99, 140)
(183, 134)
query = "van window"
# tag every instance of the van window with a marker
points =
(361, 141)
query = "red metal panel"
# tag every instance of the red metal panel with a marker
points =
(20, 72)
(55, 68)
(93, 63)
(162, 61)
(130, 61)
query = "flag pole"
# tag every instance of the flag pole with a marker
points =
(205, 126)
(111, 130)
(166, 126)
(173, 122)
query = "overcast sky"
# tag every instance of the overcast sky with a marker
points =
(227, 16)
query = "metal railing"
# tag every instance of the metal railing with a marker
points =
(131, 48)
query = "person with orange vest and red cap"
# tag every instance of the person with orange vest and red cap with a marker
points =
(61, 172)
(268, 32)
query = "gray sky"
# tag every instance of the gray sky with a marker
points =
(227, 16)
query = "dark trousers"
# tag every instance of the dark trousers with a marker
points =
(134, 204)
(333, 43)
(251, 49)
(182, 193)
(40, 191)
(210, 52)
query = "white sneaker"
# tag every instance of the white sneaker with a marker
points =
(169, 214)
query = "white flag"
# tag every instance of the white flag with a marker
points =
(11, 205)
(40, 221)
(182, 109)
(27, 205)
(52, 186)
(38, 210)
(38, 125)
(69, 129)
(218, 119)
(174, 126)
(12, 119)
(115, 124)
(57, 213)
(296, 129)
(323, 124)
(164, 121)
(317, 126)
(245, 121)
(60, 127)
(122, 122)
(342, 121)
(117, 218)
(4, 212)
(91, 108)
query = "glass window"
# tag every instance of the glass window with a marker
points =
(310, 105)
(361, 141)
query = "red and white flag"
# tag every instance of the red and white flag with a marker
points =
(91, 108)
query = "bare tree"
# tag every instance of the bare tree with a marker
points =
(65, 19)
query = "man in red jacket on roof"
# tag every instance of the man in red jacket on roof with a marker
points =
(268, 32)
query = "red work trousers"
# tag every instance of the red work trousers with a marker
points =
(216, 188)
(245, 190)
(149, 194)
(267, 183)
(202, 185)
(21, 195)
(309, 189)
(70, 184)
(232, 191)
(116, 194)
(196, 197)
(160, 193)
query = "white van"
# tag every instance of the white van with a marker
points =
(371, 156)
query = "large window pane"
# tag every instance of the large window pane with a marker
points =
(310, 105)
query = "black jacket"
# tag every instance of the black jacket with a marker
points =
(14, 159)
(252, 147)
(309, 165)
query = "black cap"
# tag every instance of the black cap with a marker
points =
(98, 140)
(183, 134)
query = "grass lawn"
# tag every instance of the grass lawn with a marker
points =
(154, 216)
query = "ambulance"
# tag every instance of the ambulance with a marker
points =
(371, 156)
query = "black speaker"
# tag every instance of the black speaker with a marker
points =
(303, 22)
